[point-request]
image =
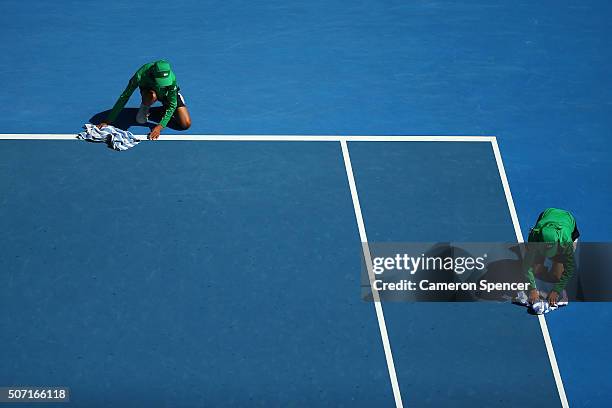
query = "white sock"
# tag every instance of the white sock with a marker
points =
(143, 114)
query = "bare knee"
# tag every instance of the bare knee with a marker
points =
(182, 123)
(183, 118)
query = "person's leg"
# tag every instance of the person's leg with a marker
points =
(551, 275)
(181, 115)
(149, 97)
(557, 270)
(539, 270)
(183, 120)
(180, 118)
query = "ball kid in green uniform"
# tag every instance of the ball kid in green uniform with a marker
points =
(156, 82)
(554, 236)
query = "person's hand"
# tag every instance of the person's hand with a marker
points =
(101, 125)
(154, 134)
(553, 297)
(534, 296)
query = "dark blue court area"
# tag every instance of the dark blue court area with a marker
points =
(227, 273)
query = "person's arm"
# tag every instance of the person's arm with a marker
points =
(528, 266)
(171, 108)
(129, 90)
(125, 96)
(569, 267)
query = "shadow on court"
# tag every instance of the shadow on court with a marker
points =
(127, 118)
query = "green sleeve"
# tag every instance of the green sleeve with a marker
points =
(528, 268)
(129, 90)
(568, 270)
(171, 108)
(125, 96)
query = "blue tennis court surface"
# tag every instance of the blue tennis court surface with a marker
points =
(217, 271)
(227, 279)
(230, 275)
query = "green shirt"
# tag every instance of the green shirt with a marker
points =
(142, 79)
(564, 223)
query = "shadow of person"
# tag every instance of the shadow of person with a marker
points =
(127, 118)
(502, 271)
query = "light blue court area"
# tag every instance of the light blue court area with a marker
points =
(227, 273)
(185, 274)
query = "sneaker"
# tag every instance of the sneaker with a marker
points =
(521, 299)
(563, 299)
(143, 114)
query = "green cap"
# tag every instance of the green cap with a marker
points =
(162, 73)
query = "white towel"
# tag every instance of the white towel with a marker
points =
(540, 307)
(116, 139)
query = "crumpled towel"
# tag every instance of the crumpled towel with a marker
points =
(116, 139)
(540, 307)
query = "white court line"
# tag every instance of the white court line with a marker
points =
(267, 138)
(519, 236)
(368, 260)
